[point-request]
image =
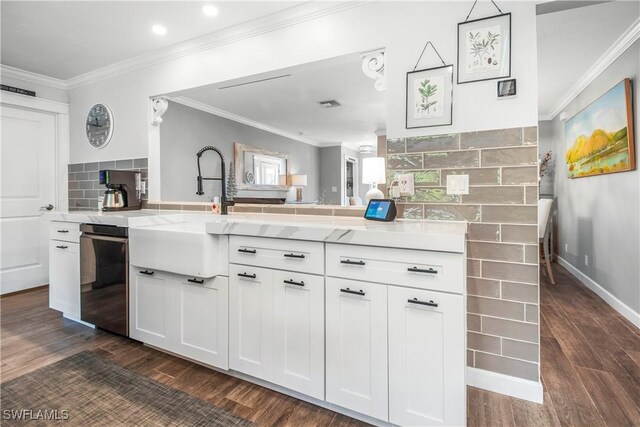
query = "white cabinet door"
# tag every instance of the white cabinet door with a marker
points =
(64, 280)
(426, 358)
(298, 332)
(356, 336)
(150, 296)
(200, 307)
(250, 319)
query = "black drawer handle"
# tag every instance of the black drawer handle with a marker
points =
(198, 281)
(422, 270)
(247, 251)
(293, 282)
(348, 261)
(349, 291)
(430, 303)
(294, 256)
(249, 276)
(63, 231)
(147, 272)
(62, 247)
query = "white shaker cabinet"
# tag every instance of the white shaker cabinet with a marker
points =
(184, 315)
(200, 307)
(150, 297)
(356, 336)
(426, 358)
(64, 277)
(298, 332)
(250, 321)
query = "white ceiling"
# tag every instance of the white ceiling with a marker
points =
(571, 41)
(291, 104)
(64, 39)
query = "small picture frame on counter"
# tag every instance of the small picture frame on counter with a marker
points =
(506, 88)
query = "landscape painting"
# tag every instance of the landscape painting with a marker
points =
(600, 138)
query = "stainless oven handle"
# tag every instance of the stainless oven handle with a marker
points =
(107, 238)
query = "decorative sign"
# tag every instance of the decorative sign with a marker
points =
(18, 90)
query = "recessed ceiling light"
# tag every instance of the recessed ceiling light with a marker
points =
(159, 30)
(330, 104)
(209, 10)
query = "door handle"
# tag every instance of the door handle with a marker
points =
(147, 272)
(349, 291)
(348, 261)
(63, 231)
(430, 303)
(294, 256)
(293, 282)
(422, 270)
(48, 207)
(249, 276)
(62, 247)
(198, 281)
(247, 251)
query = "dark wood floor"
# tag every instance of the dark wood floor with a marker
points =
(590, 365)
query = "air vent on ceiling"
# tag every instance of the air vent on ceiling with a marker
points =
(330, 104)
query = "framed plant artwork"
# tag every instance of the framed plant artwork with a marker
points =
(430, 97)
(600, 138)
(484, 49)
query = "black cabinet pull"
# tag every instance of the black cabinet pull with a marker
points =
(250, 276)
(247, 251)
(349, 291)
(348, 261)
(147, 272)
(292, 282)
(63, 231)
(294, 255)
(422, 270)
(430, 303)
(62, 247)
(198, 281)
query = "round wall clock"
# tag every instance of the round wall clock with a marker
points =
(99, 125)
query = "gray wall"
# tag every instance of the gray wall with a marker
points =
(599, 216)
(546, 136)
(185, 130)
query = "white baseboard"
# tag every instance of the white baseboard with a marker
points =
(607, 296)
(505, 384)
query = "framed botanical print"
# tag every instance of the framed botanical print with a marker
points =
(484, 49)
(430, 97)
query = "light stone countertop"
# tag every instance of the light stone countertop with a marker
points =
(446, 236)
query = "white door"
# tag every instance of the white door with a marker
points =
(426, 358)
(27, 182)
(298, 332)
(201, 305)
(356, 317)
(250, 319)
(150, 296)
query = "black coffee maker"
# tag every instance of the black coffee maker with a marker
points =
(123, 190)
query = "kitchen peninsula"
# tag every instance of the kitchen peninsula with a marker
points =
(365, 318)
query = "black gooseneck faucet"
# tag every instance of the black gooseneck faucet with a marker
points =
(200, 192)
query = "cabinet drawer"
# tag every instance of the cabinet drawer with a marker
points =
(65, 231)
(440, 271)
(281, 254)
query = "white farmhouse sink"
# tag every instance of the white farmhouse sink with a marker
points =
(183, 248)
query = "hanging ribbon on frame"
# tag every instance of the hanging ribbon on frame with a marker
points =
(474, 5)
(423, 51)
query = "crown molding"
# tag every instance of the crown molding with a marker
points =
(256, 27)
(618, 48)
(188, 102)
(28, 76)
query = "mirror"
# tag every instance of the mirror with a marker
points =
(294, 135)
(259, 169)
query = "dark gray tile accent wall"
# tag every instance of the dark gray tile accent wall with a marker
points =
(84, 187)
(501, 207)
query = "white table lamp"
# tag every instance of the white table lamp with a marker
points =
(298, 181)
(373, 173)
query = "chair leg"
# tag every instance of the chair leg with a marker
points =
(547, 259)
